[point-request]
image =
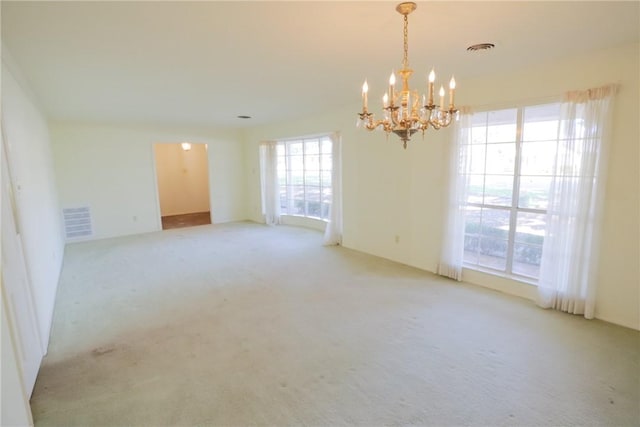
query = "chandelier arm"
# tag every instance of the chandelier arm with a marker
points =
(373, 124)
(394, 115)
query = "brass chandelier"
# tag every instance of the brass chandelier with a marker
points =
(403, 113)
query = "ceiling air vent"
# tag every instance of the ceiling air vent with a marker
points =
(77, 222)
(481, 47)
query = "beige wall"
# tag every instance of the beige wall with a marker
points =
(183, 178)
(389, 192)
(111, 168)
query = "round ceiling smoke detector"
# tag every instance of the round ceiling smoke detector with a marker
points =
(481, 47)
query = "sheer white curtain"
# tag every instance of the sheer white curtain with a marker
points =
(570, 250)
(269, 182)
(333, 232)
(452, 248)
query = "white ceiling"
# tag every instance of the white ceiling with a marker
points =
(204, 63)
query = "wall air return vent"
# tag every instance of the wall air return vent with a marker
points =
(77, 223)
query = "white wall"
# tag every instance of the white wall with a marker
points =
(29, 158)
(31, 165)
(389, 192)
(183, 178)
(111, 168)
(14, 405)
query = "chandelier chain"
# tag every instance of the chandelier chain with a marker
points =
(405, 61)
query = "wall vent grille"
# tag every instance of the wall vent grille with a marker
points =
(77, 222)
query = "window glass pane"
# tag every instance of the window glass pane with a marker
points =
(476, 159)
(501, 158)
(502, 125)
(326, 180)
(311, 146)
(493, 253)
(312, 178)
(295, 163)
(475, 191)
(498, 190)
(526, 260)
(313, 198)
(296, 179)
(472, 216)
(541, 122)
(312, 162)
(538, 158)
(294, 148)
(325, 162)
(479, 119)
(296, 207)
(495, 223)
(314, 209)
(534, 192)
(479, 134)
(471, 246)
(530, 228)
(325, 210)
(326, 146)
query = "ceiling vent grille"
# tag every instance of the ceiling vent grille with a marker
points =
(77, 223)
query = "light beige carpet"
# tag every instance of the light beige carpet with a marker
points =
(243, 324)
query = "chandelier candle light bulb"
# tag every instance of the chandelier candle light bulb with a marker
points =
(392, 86)
(365, 89)
(432, 78)
(452, 88)
(409, 117)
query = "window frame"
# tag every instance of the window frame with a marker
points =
(514, 209)
(287, 207)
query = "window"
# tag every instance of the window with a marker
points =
(509, 166)
(304, 176)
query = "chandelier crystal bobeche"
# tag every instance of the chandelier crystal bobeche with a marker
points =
(403, 114)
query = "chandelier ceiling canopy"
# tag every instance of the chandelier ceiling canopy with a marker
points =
(404, 111)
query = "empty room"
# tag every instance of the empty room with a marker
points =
(317, 213)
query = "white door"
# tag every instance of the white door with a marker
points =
(16, 288)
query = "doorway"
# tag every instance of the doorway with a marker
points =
(182, 172)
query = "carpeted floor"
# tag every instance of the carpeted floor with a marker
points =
(243, 324)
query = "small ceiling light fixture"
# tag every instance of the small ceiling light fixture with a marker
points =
(404, 115)
(481, 47)
(244, 117)
(186, 146)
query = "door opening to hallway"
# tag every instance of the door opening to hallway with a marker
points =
(182, 172)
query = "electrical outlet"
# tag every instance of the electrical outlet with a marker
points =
(397, 239)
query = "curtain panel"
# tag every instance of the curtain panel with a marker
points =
(269, 182)
(452, 247)
(333, 231)
(568, 268)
